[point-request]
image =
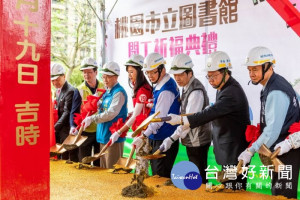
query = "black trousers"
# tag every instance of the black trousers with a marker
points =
(163, 166)
(86, 148)
(283, 186)
(198, 156)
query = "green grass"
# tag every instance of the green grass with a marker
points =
(182, 156)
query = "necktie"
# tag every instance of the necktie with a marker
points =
(58, 92)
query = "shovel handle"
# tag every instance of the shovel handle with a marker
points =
(80, 130)
(187, 114)
(239, 166)
(161, 119)
(168, 118)
(275, 153)
(130, 155)
(158, 151)
(78, 135)
(105, 147)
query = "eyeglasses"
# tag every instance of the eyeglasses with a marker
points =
(104, 76)
(151, 73)
(212, 77)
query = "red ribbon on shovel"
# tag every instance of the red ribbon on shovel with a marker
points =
(252, 133)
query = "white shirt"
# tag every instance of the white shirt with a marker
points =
(163, 104)
(113, 110)
(192, 107)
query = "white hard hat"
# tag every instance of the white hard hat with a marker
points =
(135, 60)
(181, 63)
(217, 60)
(152, 61)
(56, 70)
(110, 68)
(88, 63)
(259, 56)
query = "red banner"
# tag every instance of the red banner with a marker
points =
(288, 12)
(24, 99)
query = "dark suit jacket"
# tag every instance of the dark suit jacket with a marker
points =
(230, 117)
(64, 105)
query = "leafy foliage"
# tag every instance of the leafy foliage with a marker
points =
(72, 36)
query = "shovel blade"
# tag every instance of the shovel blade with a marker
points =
(81, 140)
(122, 162)
(76, 145)
(264, 150)
(221, 177)
(70, 139)
(57, 148)
(89, 159)
(153, 157)
(276, 163)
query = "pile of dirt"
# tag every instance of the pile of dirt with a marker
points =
(120, 169)
(138, 188)
(83, 166)
(169, 183)
(88, 159)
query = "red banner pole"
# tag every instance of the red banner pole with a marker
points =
(24, 99)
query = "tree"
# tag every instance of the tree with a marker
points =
(73, 35)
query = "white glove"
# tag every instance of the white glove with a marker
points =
(294, 140)
(284, 146)
(176, 119)
(114, 137)
(138, 141)
(245, 156)
(150, 103)
(86, 122)
(73, 131)
(148, 132)
(166, 144)
(180, 132)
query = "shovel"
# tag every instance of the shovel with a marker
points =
(156, 155)
(270, 158)
(151, 119)
(70, 143)
(126, 164)
(74, 141)
(168, 118)
(97, 156)
(56, 149)
(144, 124)
(222, 174)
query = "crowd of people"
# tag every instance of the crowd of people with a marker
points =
(193, 120)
